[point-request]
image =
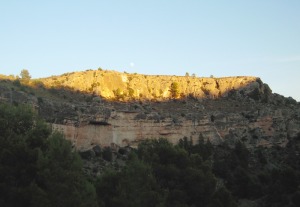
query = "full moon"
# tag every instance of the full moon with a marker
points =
(132, 64)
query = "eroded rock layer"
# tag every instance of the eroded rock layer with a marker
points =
(106, 107)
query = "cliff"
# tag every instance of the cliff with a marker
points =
(107, 107)
(123, 86)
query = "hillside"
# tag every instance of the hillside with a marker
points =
(123, 86)
(107, 107)
(228, 141)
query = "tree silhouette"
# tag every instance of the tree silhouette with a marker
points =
(25, 74)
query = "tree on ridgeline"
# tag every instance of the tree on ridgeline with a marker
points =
(25, 75)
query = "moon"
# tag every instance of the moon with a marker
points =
(132, 64)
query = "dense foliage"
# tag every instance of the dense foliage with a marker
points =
(160, 174)
(270, 176)
(37, 167)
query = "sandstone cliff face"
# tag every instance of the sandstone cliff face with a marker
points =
(254, 127)
(106, 107)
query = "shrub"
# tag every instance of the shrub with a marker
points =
(131, 92)
(174, 90)
(17, 83)
(118, 93)
(107, 154)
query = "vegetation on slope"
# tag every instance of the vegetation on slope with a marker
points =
(160, 174)
(114, 85)
(39, 168)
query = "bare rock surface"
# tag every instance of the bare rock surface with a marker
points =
(104, 108)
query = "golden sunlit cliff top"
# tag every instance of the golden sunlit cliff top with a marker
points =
(124, 86)
(113, 85)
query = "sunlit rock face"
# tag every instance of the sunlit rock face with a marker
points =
(217, 109)
(112, 85)
(106, 107)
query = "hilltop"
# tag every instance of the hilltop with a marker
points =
(100, 107)
(114, 85)
(244, 137)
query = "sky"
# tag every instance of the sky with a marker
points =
(162, 37)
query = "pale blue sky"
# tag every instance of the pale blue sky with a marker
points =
(221, 38)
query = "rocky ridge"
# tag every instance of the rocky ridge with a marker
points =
(114, 85)
(109, 108)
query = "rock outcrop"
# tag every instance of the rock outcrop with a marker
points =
(255, 126)
(116, 85)
(103, 108)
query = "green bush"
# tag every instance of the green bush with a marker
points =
(107, 154)
(38, 167)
